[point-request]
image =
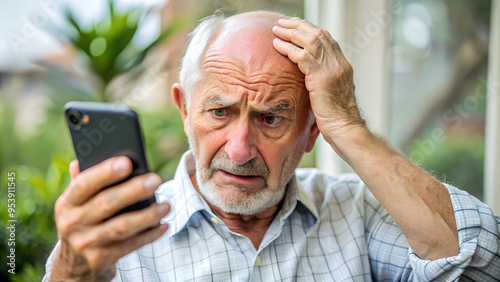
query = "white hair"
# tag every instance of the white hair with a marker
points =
(190, 73)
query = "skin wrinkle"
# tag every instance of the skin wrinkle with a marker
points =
(241, 88)
(252, 115)
(282, 106)
(224, 84)
(262, 94)
(251, 81)
(216, 100)
(253, 78)
(286, 174)
(270, 105)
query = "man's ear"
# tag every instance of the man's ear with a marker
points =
(312, 137)
(179, 100)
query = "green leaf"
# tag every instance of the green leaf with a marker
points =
(168, 32)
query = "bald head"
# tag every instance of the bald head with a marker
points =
(258, 20)
(246, 39)
(249, 29)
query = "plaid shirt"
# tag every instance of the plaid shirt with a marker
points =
(330, 228)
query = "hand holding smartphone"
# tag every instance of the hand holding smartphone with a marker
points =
(102, 130)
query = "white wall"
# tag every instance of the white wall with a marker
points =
(362, 30)
(492, 146)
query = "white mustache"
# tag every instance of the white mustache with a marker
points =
(250, 168)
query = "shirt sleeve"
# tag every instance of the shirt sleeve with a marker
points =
(391, 258)
(50, 262)
(479, 240)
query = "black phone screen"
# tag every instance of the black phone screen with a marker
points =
(103, 130)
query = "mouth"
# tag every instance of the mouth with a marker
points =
(247, 181)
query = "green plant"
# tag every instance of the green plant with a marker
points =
(457, 161)
(40, 159)
(108, 44)
(35, 232)
(165, 140)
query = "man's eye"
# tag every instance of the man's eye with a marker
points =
(219, 112)
(272, 120)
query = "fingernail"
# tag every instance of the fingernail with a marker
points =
(164, 208)
(164, 227)
(120, 164)
(151, 183)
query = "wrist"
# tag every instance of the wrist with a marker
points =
(347, 136)
(69, 266)
(352, 142)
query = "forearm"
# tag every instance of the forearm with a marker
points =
(419, 204)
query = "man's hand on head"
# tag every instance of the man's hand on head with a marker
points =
(328, 75)
(419, 204)
(92, 240)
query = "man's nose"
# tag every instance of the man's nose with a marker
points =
(240, 145)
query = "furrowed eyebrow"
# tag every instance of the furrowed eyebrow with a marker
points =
(216, 99)
(280, 107)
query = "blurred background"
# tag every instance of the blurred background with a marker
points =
(129, 51)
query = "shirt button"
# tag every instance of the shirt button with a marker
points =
(258, 261)
(214, 220)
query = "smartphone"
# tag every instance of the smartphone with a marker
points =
(103, 130)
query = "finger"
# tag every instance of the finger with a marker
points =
(306, 27)
(90, 181)
(298, 23)
(304, 60)
(74, 168)
(146, 237)
(98, 258)
(308, 41)
(121, 227)
(111, 200)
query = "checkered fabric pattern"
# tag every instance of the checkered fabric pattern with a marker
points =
(329, 229)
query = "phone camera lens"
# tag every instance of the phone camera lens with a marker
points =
(74, 119)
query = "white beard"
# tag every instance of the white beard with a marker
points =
(244, 202)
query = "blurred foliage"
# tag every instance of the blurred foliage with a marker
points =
(431, 85)
(165, 140)
(40, 159)
(457, 161)
(458, 157)
(36, 191)
(107, 44)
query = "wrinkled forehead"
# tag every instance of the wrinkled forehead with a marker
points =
(245, 41)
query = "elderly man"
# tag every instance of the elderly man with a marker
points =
(255, 91)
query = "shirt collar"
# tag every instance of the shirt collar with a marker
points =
(297, 200)
(303, 198)
(185, 201)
